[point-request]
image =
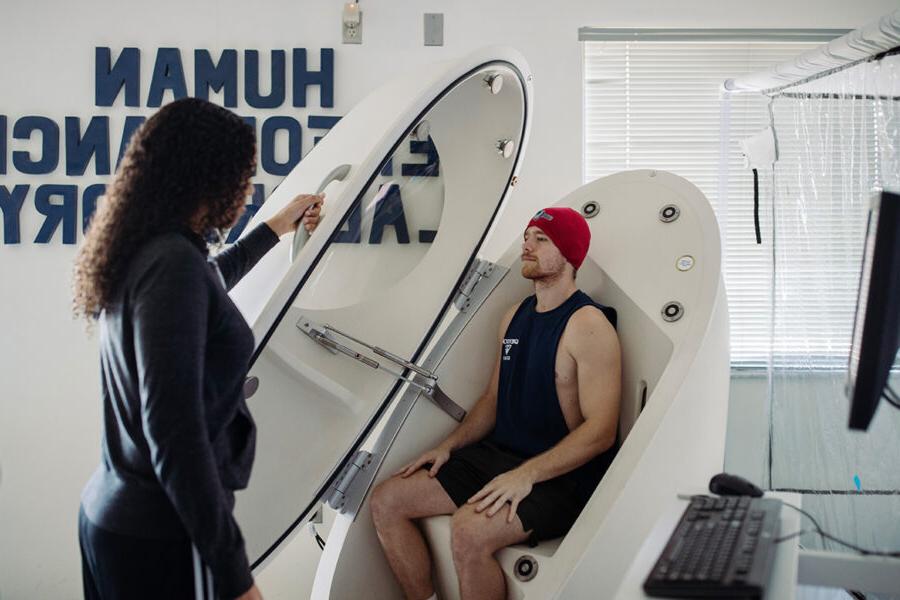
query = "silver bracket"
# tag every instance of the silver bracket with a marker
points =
(422, 379)
(480, 270)
(338, 492)
(446, 404)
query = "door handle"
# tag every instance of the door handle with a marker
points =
(339, 173)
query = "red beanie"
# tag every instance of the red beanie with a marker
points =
(568, 230)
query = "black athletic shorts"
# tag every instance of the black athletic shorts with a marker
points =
(548, 511)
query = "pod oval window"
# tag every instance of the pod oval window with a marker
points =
(388, 275)
(389, 230)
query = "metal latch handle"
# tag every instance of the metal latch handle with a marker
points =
(386, 354)
(339, 173)
(319, 333)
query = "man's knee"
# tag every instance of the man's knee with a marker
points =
(394, 498)
(467, 536)
(387, 501)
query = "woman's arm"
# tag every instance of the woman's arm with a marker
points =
(236, 261)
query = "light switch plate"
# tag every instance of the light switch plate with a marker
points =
(434, 29)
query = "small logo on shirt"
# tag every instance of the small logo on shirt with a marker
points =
(508, 343)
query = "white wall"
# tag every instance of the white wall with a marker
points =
(49, 405)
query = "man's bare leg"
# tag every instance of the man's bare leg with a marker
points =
(395, 503)
(475, 538)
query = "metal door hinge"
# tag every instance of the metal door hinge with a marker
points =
(480, 270)
(339, 490)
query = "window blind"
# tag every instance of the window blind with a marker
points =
(657, 105)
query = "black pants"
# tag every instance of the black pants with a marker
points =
(123, 567)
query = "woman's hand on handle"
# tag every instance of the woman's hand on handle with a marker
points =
(311, 217)
(305, 207)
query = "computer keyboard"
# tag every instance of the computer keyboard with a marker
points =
(723, 547)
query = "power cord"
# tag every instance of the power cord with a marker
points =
(824, 535)
(891, 396)
(891, 400)
(312, 530)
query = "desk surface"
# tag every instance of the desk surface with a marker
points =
(782, 585)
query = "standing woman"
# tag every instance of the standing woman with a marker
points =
(178, 439)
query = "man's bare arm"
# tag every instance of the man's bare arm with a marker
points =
(595, 348)
(477, 424)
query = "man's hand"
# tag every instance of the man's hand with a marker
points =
(436, 456)
(512, 486)
(287, 219)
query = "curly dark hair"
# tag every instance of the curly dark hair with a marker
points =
(188, 156)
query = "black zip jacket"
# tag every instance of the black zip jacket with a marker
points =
(178, 438)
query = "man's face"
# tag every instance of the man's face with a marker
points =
(541, 259)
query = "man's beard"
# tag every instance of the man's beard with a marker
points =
(532, 270)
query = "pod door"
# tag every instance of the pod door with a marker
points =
(387, 273)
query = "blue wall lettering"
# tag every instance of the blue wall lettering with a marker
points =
(89, 203)
(353, 233)
(259, 196)
(321, 122)
(431, 168)
(11, 205)
(389, 211)
(324, 77)
(251, 80)
(109, 79)
(294, 133)
(55, 214)
(168, 74)
(210, 76)
(131, 125)
(22, 130)
(32, 145)
(2, 145)
(80, 148)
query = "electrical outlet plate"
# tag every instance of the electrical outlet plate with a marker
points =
(352, 32)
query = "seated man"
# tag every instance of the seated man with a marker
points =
(529, 454)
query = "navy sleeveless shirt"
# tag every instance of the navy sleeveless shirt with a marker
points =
(529, 418)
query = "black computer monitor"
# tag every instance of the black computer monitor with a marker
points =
(876, 330)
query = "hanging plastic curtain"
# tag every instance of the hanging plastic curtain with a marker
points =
(838, 141)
